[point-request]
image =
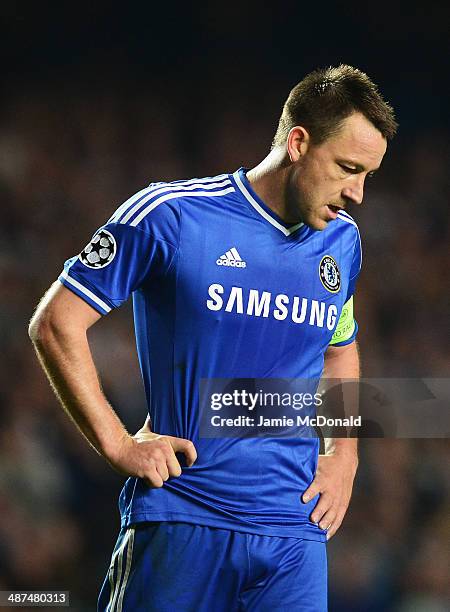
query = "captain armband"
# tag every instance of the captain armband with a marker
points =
(346, 325)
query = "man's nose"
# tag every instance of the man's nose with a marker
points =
(354, 191)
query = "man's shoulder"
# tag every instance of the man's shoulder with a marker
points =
(164, 198)
(198, 191)
(342, 233)
(345, 219)
(344, 226)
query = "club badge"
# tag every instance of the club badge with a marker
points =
(329, 274)
(100, 251)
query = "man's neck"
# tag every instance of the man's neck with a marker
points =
(269, 181)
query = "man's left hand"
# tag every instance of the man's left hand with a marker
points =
(334, 481)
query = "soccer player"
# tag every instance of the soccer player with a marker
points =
(243, 275)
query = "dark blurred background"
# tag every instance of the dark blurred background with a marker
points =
(99, 101)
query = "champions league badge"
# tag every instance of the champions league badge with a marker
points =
(100, 251)
(329, 274)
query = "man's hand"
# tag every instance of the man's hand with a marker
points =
(152, 456)
(334, 481)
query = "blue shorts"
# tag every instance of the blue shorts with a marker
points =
(193, 568)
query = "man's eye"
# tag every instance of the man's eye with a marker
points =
(348, 169)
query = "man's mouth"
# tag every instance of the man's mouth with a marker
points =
(334, 208)
(333, 211)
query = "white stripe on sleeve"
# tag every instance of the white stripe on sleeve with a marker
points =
(86, 291)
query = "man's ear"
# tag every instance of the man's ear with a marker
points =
(297, 144)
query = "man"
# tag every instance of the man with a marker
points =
(241, 275)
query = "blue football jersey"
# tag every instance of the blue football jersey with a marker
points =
(222, 288)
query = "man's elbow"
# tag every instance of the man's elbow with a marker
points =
(41, 327)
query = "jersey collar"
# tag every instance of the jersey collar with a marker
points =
(243, 184)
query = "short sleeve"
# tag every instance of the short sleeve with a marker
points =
(355, 267)
(120, 257)
(347, 327)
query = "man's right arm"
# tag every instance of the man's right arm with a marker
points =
(58, 330)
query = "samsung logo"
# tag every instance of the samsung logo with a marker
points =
(255, 303)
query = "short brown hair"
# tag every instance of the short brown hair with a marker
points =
(324, 98)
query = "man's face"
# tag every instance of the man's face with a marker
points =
(329, 176)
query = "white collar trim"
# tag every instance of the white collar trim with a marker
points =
(287, 231)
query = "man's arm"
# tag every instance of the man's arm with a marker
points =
(58, 330)
(336, 469)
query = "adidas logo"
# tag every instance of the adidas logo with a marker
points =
(231, 258)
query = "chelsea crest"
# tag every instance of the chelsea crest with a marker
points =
(329, 274)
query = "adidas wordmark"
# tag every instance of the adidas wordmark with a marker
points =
(231, 258)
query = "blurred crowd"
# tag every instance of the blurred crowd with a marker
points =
(68, 158)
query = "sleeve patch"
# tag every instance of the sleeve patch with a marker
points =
(346, 324)
(100, 252)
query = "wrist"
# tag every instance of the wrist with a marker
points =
(114, 445)
(346, 448)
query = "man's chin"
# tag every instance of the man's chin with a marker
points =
(317, 223)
